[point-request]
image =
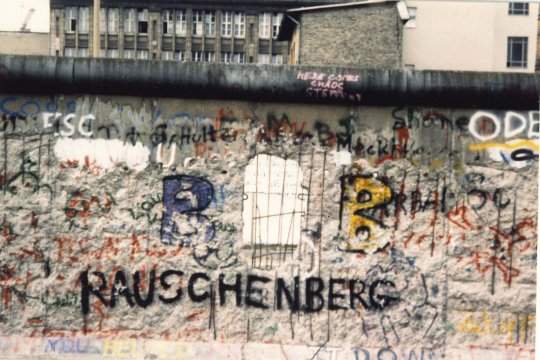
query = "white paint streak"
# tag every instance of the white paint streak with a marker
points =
(105, 153)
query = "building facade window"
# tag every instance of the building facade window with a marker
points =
(167, 19)
(57, 26)
(167, 55)
(210, 23)
(83, 52)
(239, 25)
(113, 18)
(70, 52)
(70, 16)
(265, 20)
(264, 59)
(197, 29)
(129, 54)
(226, 57)
(238, 58)
(277, 59)
(179, 56)
(517, 52)
(411, 23)
(142, 18)
(518, 8)
(181, 23)
(209, 56)
(233, 58)
(112, 53)
(84, 19)
(102, 20)
(130, 21)
(196, 56)
(226, 24)
(276, 23)
(142, 54)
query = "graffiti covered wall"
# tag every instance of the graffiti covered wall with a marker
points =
(158, 229)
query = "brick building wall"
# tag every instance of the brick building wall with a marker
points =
(365, 36)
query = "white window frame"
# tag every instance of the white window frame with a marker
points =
(103, 20)
(517, 64)
(197, 56)
(112, 54)
(179, 56)
(226, 57)
(209, 56)
(83, 52)
(276, 24)
(277, 59)
(226, 24)
(238, 58)
(70, 52)
(84, 20)
(142, 16)
(143, 54)
(130, 21)
(113, 20)
(265, 20)
(180, 23)
(167, 20)
(129, 54)
(264, 59)
(210, 23)
(167, 55)
(197, 23)
(518, 8)
(239, 25)
(71, 21)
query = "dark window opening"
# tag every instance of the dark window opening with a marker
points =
(518, 8)
(143, 27)
(517, 52)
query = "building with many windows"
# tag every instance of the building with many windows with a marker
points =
(425, 35)
(201, 31)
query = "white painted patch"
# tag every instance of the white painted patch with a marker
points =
(275, 201)
(343, 158)
(103, 153)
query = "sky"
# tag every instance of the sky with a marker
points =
(13, 13)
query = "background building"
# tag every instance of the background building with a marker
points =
(210, 31)
(24, 28)
(24, 43)
(363, 34)
(471, 35)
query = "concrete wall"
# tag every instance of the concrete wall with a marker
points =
(463, 35)
(23, 43)
(362, 36)
(147, 228)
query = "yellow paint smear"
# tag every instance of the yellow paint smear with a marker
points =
(527, 144)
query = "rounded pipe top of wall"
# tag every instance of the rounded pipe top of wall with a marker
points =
(45, 75)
